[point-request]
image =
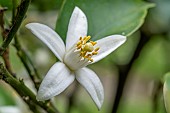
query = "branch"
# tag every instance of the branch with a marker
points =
(27, 95)
(4, 32)
(22, 9)
(125, 69)
(28, 64)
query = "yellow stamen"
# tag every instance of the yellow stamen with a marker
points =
(79, 46)
(94, 53)
(97, 49)
(93, 43)
(86, 48)
(79, 43)
(90, 59)
(80, 38)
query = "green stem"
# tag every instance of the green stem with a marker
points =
(14, 7)
(125, 69)
(27, 95)
(22, 9)
(28, 64)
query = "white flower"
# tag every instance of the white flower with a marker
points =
(78, 53)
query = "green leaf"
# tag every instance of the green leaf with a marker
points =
(6, 3)
(105, 17)
(6, 96)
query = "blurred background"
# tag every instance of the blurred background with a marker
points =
(145, 57)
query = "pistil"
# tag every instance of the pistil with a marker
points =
(86, 48)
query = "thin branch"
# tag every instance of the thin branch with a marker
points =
(5, 56)
(27, 95)
(22, 9)
(125, 69)
(71, 98)
(28, 64)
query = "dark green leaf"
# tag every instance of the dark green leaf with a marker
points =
(105, 17)
(6, 3)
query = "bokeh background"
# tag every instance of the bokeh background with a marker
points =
(143, 88)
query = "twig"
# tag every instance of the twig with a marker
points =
(71, 98)
(125, 69)
(22, 9)
(5, 56)
(24, 91)
(32, 71)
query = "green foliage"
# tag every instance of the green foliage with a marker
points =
(154, 59)
(159, 16)
(45, 5)
(6, 3)
(5, 97)
(106, 17)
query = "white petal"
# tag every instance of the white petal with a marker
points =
(58, 78)
(73, 59)
(9, 109)
(49, 37)
(108, 45)
(77, 27)
(166, 94)
(90, 81)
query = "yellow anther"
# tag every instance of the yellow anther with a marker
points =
(89, 55)
(93, 43)
(88, 47)
(97, 49)
(79, 43)
(80, 38)
(84, 38)
(94, 53)
(83, 53)
(79, 46)
(88, 37)
(86, 57)
(90, 59)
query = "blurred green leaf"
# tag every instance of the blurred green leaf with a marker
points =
(5, 97)
(6, 3)
(105, 17)
(154, 23)
(45, 5)
(154, 59)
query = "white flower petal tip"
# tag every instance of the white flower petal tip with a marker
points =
(77, 27)
(58, 78)
(10, 109)
(49, 37)
(90, 81)
(107, 45)
(166, 92)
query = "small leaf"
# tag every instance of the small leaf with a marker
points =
(105, 17)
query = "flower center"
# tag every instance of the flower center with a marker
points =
(86, 48)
